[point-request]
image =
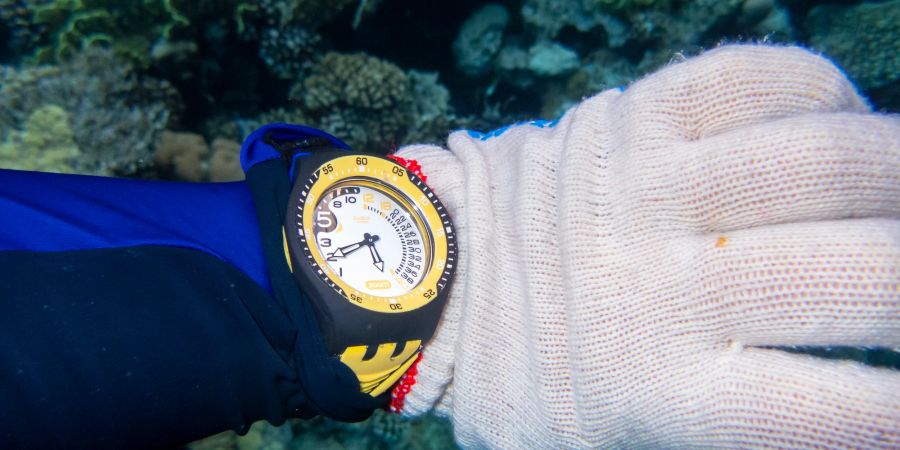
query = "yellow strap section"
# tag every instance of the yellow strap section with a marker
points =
(287, 254)
(379, 373)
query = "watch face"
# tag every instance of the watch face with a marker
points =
(371, 237)
(374, 233)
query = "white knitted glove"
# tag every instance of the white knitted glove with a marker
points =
(622, 271)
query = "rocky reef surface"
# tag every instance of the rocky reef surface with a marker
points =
(168, 88)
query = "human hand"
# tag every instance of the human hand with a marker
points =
(677, 230)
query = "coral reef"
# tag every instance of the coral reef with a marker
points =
(114, 114)
(263, 436)
(600, 70)
(480, 38)
(626, 5)
(370, 103)
(184, 154)
(290, 52)
(544, 59)
(431, 112)
(862, 38)
(547, 17)
(225, 162)
(289, 44)
(187, 157)
(18, 30)
(766, 18)
(563, 38)
(364, 99)
(130, 28)
(381, 432)
(665, 26)
(310, 13)
(356, 81)
(554, 39)
(44, 143)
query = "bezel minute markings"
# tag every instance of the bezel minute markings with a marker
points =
(374, 233)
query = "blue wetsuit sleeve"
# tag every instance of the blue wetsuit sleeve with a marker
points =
(143, 314)
(55, 212)
(136, 314)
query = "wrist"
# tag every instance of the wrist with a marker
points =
(425, 389)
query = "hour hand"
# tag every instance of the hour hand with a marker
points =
(342, 252)
(345, 250)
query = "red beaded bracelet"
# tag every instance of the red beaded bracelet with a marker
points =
(411, 165)
(398, 394)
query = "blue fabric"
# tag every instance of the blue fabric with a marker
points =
(330, 388)
(144, 314)
(539, 123)
(53, 212)
(138, 348)
(255, 150)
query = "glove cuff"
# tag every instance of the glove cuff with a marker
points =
(424, 386)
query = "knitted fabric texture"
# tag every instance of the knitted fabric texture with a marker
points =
(624, 270)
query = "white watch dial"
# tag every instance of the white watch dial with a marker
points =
(370, 238)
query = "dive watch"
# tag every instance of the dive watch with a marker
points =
(374, 249)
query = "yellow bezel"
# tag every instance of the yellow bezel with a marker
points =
(412, 193)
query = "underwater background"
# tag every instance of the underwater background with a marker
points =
(167, 89)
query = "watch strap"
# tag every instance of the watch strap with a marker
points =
(377, 367)
(284, 141)
(379, 372)
(330, 387)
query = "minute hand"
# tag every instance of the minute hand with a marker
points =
(376, 258)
